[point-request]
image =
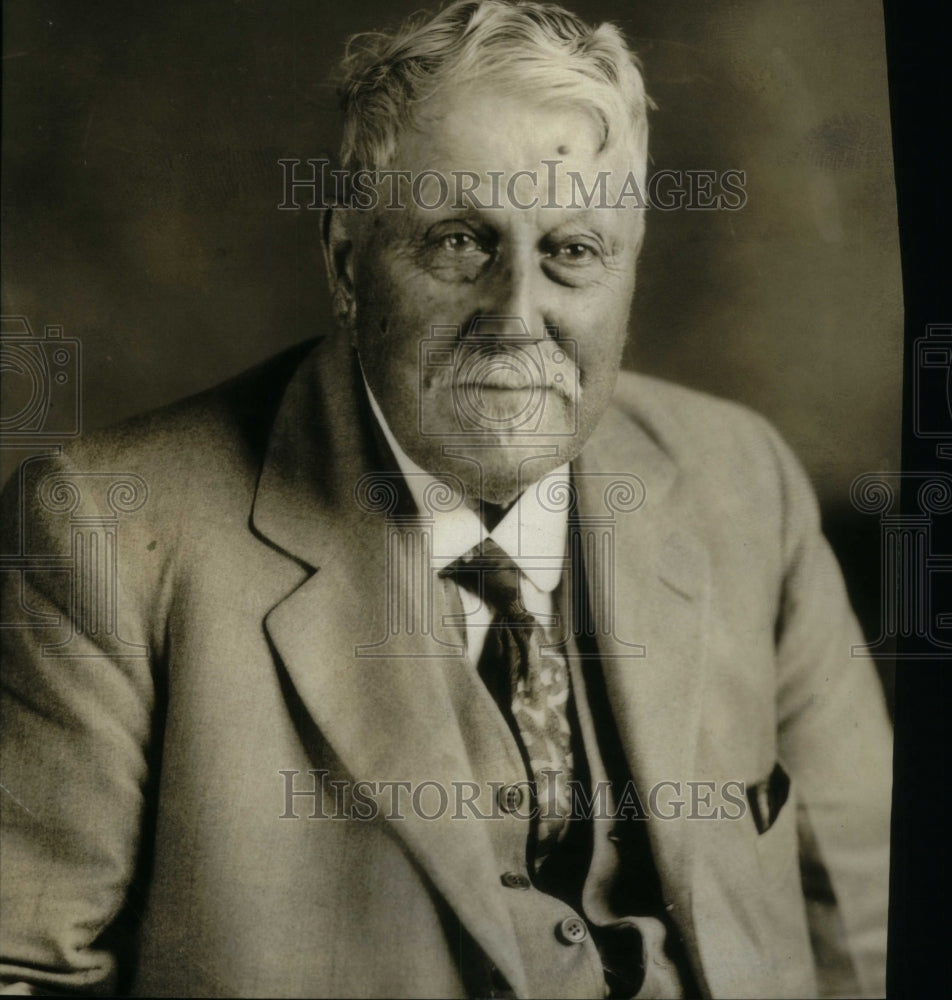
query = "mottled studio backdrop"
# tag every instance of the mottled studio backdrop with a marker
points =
(141, 184)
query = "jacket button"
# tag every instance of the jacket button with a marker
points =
(511, 797)
(515, 880)
(572, 930)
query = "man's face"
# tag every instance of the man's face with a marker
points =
(492, 337)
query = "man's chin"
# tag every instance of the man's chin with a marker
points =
(499, 472)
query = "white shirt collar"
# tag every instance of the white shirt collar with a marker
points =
(531, 534)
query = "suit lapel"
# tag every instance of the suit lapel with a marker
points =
(657, 573)
(378, 689)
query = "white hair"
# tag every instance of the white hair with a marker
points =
(535, 50)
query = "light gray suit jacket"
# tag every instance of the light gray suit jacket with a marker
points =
(143, 748)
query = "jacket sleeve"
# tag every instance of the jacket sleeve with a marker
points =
(835, 740)
(76, 698)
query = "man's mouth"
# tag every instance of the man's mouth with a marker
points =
(499, 371)
(514, 384)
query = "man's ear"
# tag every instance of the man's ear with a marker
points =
(339, 261)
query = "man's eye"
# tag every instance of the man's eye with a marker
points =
(459, 243)
(576, 253)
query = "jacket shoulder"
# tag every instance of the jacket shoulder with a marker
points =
(225, 426)
(194, 462)
(679, 417)
(729, 458)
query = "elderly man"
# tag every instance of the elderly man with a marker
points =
(436, 658)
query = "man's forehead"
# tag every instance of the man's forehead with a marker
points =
(482, 166)
(485, 129)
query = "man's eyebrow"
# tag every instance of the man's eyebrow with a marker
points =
(605, 224)
(555, 217)
(424, 219)
(490, 222)
(466, 212)
(593, 217)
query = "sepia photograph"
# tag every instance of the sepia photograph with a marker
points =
(451, 526)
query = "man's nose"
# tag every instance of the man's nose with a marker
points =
(512, 304)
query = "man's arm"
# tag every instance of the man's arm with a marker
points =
(835, 740)
(74, 730)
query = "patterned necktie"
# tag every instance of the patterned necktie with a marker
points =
(532, 690)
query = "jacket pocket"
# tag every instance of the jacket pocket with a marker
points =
(773, 808)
